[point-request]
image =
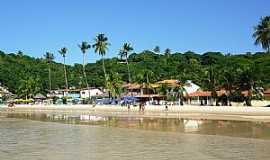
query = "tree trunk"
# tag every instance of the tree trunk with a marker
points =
(249, 97)
(85, 77)
(50, 80)
(104, 70)
(65, 72)
(103, 65)
(229, 97)
(129, 78)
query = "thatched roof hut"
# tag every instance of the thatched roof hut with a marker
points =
(39, 96)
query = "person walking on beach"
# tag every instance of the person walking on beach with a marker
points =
(128, 106)
(11, 104)
(94, 104)
(166, 107)
(143, 107)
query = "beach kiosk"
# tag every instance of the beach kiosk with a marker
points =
(39, 98)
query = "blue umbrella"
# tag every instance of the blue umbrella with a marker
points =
(129, 99)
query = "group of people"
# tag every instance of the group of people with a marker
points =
(141, 107)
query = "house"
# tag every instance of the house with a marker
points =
(56, 93)
(143, 92)
(136, 89)
(60, 93)
(199, 97)
(94, 92)
(191, 87)
(205, 97)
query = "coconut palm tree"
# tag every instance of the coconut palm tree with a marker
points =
(180, 92)
(49, 58)
(84, 46)
(248, 80)
(228, 74)
(28, 87)
(114, 84)
(262, 33)
(20, 53)
(101, 47)
(63, 52)
(156, 49)
(163, 90)
(167, 52)
(126, 49)
(145, 77)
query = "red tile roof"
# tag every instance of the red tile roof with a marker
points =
(200, 94)
(208, 93)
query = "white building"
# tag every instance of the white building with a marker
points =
(191, 87)
(93, 92)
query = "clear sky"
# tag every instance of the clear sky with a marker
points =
(37, 26)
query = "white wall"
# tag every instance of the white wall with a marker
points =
(93, 92)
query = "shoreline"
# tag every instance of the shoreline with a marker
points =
(258, 114)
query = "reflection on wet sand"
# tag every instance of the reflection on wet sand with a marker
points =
(211, 127)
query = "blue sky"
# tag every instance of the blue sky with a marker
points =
(36, 26)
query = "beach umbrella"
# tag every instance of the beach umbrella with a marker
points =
(129, 99)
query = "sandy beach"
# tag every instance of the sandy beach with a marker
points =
(187, 111)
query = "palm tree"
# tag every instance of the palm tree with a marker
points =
(262, 33)
(227, 78)
(28, 87)
(63, 52)
(114, 84)
(156, 49)
(20, 53)
(181, 92)
(124, 53)
(163, 90)
(167, 52)
(248, 81)
(145, 77)
(49, 58)
(84, 47)
(211, 82)
(101, 47)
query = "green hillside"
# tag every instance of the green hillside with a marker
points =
(208, 69)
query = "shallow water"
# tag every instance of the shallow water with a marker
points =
(129, 138)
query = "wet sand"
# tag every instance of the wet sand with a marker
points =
(261, 114)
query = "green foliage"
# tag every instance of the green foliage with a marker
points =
(124, 51)
(63, 51)
(28, 87)
(114, 84)
(156, 49)
(230, 71)
(84, 47)
(101, 46)
(262, 33)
